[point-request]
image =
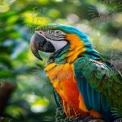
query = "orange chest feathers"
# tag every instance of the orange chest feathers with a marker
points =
(63, 80)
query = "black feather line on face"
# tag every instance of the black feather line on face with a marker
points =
(53, 35)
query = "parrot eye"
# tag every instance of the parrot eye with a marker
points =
(57, 32)
(55, 35)
(40, 32)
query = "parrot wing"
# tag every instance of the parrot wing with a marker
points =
(57, 99)
(60, 110)
(100, 85)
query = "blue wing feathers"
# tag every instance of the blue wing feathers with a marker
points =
(93, 85)
(83, 88)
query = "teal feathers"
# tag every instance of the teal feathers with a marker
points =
(103, 86)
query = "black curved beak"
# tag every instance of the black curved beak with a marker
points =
(38, 42)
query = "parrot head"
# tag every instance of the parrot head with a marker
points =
(56, 38)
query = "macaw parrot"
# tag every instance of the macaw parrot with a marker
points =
(85, 85)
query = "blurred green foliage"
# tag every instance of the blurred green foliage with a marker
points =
(32, 100)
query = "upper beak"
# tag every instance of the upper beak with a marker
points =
(38, 42)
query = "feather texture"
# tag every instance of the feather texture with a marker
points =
(101, 87)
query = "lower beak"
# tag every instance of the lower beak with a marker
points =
(38, 42)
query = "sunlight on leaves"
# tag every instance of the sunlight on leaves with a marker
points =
(15, 110)
(31, 18)
(4, 8)
(37, 103)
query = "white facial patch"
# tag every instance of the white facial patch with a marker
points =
(58, 44)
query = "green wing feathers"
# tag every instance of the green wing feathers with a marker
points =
(105, 80)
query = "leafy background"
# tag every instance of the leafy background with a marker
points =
(25, 92)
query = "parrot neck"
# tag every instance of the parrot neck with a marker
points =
(59, 56)
(74, 49)
(68, 55)
(92, 53)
